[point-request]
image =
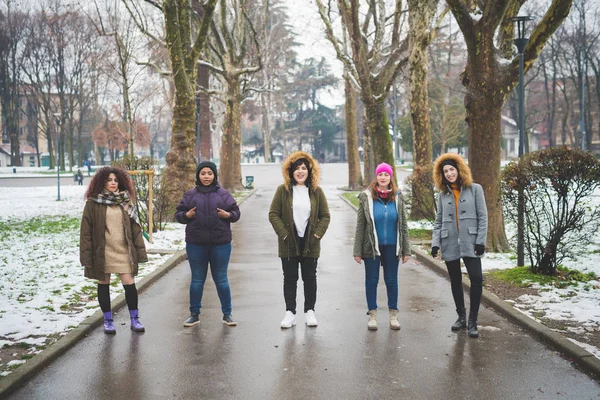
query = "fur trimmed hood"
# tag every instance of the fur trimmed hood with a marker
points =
(315, 170)
(464, 171)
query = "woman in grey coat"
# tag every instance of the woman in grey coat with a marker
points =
(460, 231)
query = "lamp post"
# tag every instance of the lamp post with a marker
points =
(521, 42)
(582, 103)
(57, 125)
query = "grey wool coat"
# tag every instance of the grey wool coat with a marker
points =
(458, 239)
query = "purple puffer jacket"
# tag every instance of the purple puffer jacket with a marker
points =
(207, 227)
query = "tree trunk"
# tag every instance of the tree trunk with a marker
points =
(205, 132)
(420, 15)
(179, 172)
(378, 129)
(484, 117)
(354, 176)
(265, 100)
(367, 156)
(230, 164)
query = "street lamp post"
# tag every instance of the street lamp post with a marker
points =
(57, 124)
(521, 42)
(582, 103)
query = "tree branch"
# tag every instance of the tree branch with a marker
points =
(463, 18)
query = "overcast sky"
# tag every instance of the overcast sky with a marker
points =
(307, 23)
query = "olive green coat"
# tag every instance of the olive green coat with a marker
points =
(282, 218)
(92, 241)
(365, 236)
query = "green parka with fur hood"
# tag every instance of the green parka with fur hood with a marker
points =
(281, 212)
(457, 234)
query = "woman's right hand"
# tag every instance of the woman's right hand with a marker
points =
(191, 214)
(357, 259)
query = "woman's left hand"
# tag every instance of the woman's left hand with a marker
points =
(223, 214)
(405, 258)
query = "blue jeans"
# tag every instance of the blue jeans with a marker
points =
(199, 256)
(389, 260)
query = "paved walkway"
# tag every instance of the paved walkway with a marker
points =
(340, 359)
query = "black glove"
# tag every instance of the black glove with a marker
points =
(479, 249)
(434, 251)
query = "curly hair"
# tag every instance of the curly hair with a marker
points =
(294, 166)
(101, 176)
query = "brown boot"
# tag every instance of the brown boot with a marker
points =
(372, 324)
(394, 323)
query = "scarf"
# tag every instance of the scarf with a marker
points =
(384, 194)
(118, 198)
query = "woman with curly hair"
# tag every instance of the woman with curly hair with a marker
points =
(460, 231)
(111, 240)
(300, 216)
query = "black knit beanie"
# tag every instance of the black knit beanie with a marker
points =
(205, 164)
(448, 161)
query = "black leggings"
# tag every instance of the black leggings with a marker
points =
(308, 266)
(473, 265)
(131, 297)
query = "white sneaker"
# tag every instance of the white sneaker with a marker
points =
(311, 319)
(289, 320)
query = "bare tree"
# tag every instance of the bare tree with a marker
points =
(186, 34)
(234, 56)
(377, 55)
(12, 36)
(488, 79)
(420, 20)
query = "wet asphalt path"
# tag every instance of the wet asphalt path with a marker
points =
(339, 359)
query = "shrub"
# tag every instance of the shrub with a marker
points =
(560, 219)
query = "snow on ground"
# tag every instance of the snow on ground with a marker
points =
(43, 293)
(577, 305)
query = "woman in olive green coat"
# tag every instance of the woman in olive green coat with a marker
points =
(300, 216)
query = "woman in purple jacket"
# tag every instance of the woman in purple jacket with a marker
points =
(208, 211)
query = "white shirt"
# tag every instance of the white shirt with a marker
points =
(301, 208)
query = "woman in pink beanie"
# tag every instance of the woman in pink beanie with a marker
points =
(381, 238)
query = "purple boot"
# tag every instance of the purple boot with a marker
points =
(109, 327)
(136, 325)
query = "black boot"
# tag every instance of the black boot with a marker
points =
(473, 332)
(461, 322)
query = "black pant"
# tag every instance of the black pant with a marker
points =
(473, 265)
(308, 266)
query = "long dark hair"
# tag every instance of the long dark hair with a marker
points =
(101, 176)
(446, 182)
(295, 165)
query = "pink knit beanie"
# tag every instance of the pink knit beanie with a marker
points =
(383, 167)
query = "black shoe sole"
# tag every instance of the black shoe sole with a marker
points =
(453, 329)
